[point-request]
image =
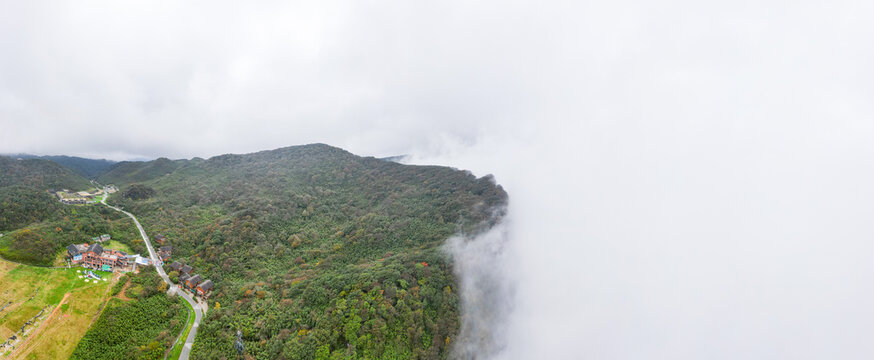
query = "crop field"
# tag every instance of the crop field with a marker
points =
(46, 310)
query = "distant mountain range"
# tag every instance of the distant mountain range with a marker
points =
(39, 173)
(88, 168)
(124, 171)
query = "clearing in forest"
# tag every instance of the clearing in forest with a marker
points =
(47, 310)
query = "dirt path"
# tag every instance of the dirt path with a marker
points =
(121, 294)
(106, 300)
(42, 326)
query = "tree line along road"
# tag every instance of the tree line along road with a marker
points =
(198, 315)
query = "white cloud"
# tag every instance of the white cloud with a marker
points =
(688, 180)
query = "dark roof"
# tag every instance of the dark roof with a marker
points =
(166, 248)
(175, 265)
(206, 285)
(183, 277)
(96, 248)
(72, 250)
(194, 280)
(186, 269)
(159, 237)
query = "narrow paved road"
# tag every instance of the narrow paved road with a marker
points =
(189, 342)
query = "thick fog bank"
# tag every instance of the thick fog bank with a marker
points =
(486, 292)
(690, 181)
(685, 240)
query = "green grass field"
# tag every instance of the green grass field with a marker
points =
(115, 245)
(28, 290)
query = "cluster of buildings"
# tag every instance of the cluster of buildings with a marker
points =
(81, 197)
(94, 256)
(76, 201)
(194, 283)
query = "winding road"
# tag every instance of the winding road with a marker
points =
(198, 315)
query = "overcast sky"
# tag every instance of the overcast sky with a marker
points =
(183, 79)
(688, 179)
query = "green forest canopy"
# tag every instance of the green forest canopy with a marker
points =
(315, 252)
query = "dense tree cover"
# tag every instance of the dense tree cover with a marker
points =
(138, 192)
(38, 174)
(23, 205)
(24, 185)
(39, 243)
(87, 168)
(317, 253)
(142, 328)
(127, 172)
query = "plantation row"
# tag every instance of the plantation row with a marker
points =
(142, 328)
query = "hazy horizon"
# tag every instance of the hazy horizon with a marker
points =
(399, 157)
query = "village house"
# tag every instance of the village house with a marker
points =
(175, 266)
(204, 288)
(192, 282)
(94, 256)
(164, 252)
(101, 238)
(160, 239)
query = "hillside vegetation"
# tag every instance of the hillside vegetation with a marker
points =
(39, 173)
(40, 243)
(143, 327)
(24, 198)
(87, 168)
(127, 172)
(22, 205)
(317, 253)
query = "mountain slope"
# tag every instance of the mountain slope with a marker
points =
(315, 251)
(88, 168)
(128, 172)
(23, 185)
(39, 173)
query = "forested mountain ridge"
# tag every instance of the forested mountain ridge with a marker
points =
(38, 173)
(316, 252)
(88, 168)
(127, 172)
(24, 198)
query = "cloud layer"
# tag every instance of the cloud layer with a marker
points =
(688, 179)
(204, 78)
